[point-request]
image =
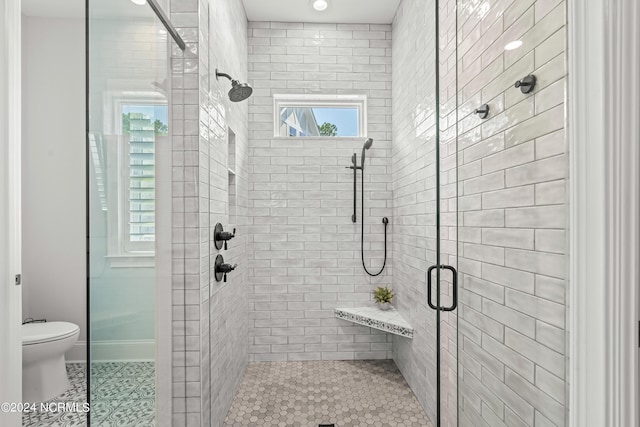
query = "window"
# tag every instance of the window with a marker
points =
(320, 115)
(125, 155)
(141, 124)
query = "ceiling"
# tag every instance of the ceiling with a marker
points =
(339, 11)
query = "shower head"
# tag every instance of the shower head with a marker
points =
(239, 91)
(367, 144)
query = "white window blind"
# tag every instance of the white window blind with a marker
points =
(142, 192)
(142, 125)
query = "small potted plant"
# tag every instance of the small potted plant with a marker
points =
(383, 296)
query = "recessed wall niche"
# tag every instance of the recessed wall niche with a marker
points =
(231, 167)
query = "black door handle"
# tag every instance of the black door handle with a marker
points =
(429, 287)
(454, 282)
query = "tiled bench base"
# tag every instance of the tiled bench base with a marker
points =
(389, 321)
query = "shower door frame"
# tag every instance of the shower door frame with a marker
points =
(450, 303)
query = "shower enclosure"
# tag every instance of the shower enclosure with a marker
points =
(466, 163)
(132, 126)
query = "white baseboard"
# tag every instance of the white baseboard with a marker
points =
(114, 351)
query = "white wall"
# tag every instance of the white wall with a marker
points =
(209, 318)
(306, 251)
(512, 209)
(53, 174)
(223, 322)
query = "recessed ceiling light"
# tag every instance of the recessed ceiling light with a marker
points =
(320, 5)
(513, 45)
(139, 2)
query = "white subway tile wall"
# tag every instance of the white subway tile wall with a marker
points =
(210, 318)
(184, 222)
(223, 41)
(512, 257)
(512, 227)
(305, 249)
(508, 240)
(414, 192)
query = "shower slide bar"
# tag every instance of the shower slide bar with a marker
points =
(355, 168)
(167, 23)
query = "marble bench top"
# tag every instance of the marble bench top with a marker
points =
(385, 320)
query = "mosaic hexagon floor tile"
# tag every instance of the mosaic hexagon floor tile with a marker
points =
(344, 393)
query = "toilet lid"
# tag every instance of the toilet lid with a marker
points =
(35, 333)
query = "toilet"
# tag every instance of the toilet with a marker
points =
(44, 374)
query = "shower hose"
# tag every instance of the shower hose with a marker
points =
(385, 221)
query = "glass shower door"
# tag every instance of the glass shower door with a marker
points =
(506, 227)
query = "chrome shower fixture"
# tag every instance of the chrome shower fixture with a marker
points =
(239, 91)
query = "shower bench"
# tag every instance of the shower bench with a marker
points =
(385, 320)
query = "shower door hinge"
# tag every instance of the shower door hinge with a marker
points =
(18, 279)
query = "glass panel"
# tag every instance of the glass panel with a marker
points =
(128, 136)
(512, 283)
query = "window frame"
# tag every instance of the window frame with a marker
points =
(121, 251)
(320, 100)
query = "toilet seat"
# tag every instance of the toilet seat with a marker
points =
(38, 333)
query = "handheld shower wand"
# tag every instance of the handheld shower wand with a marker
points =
(367, 145)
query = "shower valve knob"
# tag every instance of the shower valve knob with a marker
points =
(227, 268)
(220, 236)
(221, 269)
(226, 236)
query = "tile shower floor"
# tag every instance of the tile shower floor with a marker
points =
(344, 393)
(123, 395)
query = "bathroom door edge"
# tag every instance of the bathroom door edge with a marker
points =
(10, 210)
